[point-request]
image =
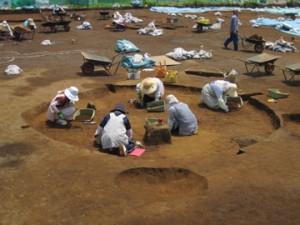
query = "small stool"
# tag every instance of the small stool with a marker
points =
(157, 134)
(104, 15)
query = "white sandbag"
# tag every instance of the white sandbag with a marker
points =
(219, 20)
(13, 70)
(84, 26)
(47, 42)
(216, 26)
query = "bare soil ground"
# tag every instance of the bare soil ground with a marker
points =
(52, 175)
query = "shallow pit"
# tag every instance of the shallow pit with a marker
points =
(161, 184)
(212, 124)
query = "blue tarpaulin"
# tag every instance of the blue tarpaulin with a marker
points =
(283, 25)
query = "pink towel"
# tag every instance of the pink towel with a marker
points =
(137, 152)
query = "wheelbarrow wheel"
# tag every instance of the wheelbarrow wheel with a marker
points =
(87, 68)
(258, 48)
(269, 68)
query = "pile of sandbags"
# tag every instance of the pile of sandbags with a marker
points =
(281, 46)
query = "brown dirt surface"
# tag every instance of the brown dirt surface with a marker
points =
(53, 175)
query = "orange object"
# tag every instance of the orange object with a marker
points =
(161, 71)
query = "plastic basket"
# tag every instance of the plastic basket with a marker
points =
(84, 115)
(156, 106)
(276, 94)
(171, 76)
(151, 121)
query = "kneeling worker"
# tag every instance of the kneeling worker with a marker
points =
(217, 93)
(62, 106)
(150, 89)
(181, 119)
(114, 132)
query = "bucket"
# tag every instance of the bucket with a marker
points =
(134, 74)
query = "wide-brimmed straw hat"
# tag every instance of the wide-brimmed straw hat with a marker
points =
(72, 93)
(148, 85)
(119, 107)
(232, 91)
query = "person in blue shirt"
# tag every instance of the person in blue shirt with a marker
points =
(30, 24)
(181, 119)
(115, 133)
(234, 27)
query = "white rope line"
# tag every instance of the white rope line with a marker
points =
(36, 54)
(9, 60)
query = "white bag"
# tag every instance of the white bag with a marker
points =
(12, 70)
(47, 42)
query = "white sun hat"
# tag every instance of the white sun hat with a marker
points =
(171, 100)
(148, 85)
(72, 93)
(232, 76)
(232, 91)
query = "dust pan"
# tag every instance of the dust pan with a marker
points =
(276, 94)
(84, 115)
(156, 106)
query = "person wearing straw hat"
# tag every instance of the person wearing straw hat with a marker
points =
(216, 93)
(30, 24)
(181, 119)
(234, 27)
(62, 106)
(114, 132)
(150, 89)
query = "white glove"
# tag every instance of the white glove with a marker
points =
(223, 105)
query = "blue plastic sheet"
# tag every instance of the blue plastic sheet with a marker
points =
(127, 62)
(125, 46)
(286, 26)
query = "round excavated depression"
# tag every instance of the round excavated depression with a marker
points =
(247, 122)
(161, 183)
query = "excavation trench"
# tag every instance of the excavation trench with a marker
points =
(242, 123)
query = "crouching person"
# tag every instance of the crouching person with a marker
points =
(62, 106)
(181, 119)
(114, 133)
(149, 90)
(219, 93)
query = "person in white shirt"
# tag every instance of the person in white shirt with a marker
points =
(62, 106)
(114, 132)
(216, 93)
(150, 89)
